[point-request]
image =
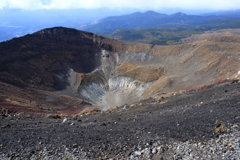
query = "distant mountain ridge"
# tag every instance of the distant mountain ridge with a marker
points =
(17, 22)
(151, 19)
(232, 13)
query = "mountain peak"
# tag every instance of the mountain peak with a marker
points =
(63, 34)
(179, 14)
(147, 13)
(151, 12)
(59, 31)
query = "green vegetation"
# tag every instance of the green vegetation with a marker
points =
(171, 36)
(219, 24)
(156, 36)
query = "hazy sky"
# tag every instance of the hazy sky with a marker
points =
(138, 4)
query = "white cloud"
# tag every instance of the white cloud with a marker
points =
(140, 4)
(23, 4)
(46, 2)
(3, 3)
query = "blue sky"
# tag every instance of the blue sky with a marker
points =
(112, 4)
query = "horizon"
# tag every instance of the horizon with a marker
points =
(107, 12)
(23, 17)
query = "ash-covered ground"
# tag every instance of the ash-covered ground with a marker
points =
(193, 125)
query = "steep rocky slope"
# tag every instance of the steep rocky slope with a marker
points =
(106, 73)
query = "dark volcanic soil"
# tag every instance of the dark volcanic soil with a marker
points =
(189, 116)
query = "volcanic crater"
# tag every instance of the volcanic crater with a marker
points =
(89, 70)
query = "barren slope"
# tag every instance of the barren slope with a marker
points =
(180, 127)
(211, 34)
